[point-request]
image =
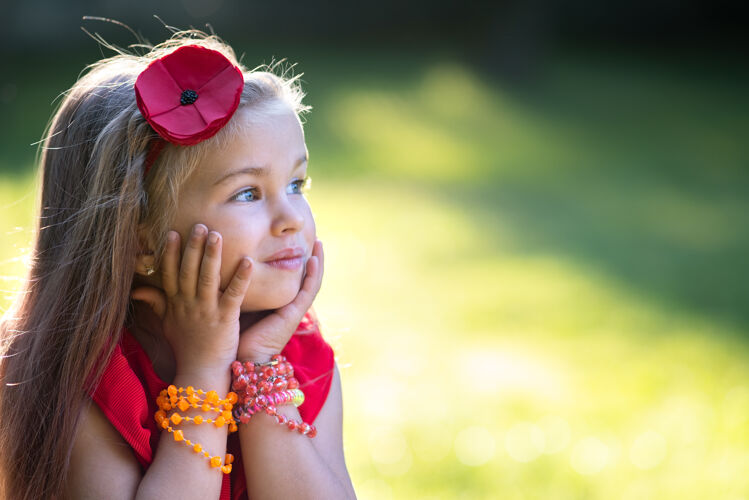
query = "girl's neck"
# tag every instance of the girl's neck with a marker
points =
(146, 327)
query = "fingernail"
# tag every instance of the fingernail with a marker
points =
(213, 238)
(245, 263)
(198, 230)
(171, 236)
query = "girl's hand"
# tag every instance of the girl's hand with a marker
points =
(270, 334)
(200, 322)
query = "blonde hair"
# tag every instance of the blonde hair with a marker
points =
(95, 205)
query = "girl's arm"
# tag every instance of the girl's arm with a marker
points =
(102, 464)
(177, 471)
(329, 424)
(202, 328)
(279, 463)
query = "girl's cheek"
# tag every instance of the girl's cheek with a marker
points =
(312, 225)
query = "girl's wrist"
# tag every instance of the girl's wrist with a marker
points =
(205, 362)
(208, 375)
(258, 353)
(256, 356)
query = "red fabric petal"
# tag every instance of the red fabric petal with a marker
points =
(192, 66)
(219, 94)
(191, 139)
(181, 121)
(156, 87)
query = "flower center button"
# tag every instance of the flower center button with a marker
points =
(188, 97)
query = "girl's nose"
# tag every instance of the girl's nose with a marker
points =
(287, 219)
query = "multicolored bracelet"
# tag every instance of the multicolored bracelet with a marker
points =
(263, 386)
(171, 398)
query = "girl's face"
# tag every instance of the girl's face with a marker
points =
(251, 193)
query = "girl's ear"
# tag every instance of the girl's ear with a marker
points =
(145, 260)
(144, 264)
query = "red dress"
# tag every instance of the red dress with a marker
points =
(128, 389)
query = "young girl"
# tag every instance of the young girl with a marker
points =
(173, 240)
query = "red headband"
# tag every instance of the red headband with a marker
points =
(187, 96)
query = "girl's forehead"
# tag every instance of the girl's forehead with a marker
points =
(273, 142)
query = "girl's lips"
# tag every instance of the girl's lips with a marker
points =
(291, 264)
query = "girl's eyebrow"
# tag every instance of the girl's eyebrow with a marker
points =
(256, 171)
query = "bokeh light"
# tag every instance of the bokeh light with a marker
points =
(557, 433)
(648, 450)
(525, 441)
(474, 446)
(590, 456)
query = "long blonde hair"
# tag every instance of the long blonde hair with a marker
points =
(95, 204)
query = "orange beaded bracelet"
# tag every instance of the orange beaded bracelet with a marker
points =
(170, 399)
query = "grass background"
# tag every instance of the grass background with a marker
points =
(534, 291)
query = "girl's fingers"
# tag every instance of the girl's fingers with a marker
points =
(321, 256)
(153, 297)
(170, 264)
(310, 286)
(234, 294)
(209, 280)
(313, 280)
(191, 257)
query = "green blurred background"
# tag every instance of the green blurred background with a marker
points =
(536, 226)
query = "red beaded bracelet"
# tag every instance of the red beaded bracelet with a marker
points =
(262, 386)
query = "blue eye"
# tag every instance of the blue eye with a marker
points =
(249, 194)
(299, 186)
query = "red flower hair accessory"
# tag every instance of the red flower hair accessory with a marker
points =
(189, 94)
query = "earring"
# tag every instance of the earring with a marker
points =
(149, 270)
